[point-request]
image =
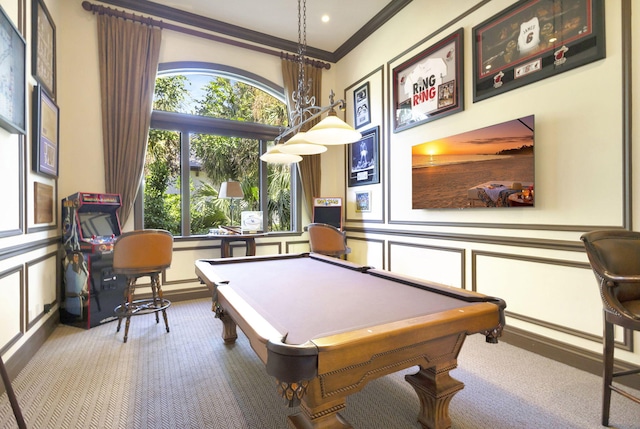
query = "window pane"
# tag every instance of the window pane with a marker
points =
(216, 159)
(279, 200)
(215, 96)
(162, 181)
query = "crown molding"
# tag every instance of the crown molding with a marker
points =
(202, 22)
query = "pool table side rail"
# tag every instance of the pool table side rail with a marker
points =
(360, 346)
(327, 259)
(463, 294)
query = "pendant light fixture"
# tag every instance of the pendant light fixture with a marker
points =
(329, 131)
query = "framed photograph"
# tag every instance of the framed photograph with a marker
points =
(46, 123)
(430, 85)
(43, 59)
(364, 159)
(363, 202)
(533, 40)
(361, 108)
(250, 222)
(13, 88)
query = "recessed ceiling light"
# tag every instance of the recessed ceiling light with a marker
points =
(325, 18)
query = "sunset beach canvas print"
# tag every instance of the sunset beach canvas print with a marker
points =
(489, 167)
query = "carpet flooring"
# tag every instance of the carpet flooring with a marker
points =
(189, 378)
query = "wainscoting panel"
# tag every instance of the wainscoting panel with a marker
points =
(41, 281)
(367, 252)
(432, 263)
(11, 177)
(291, 247)
(558, 294)
(11, 285)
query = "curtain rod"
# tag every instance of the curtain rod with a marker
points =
(94, 8)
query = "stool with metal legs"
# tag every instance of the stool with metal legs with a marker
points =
(142, 253)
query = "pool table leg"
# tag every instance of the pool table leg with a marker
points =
(229, 332)
(320, 416)
(435, 389)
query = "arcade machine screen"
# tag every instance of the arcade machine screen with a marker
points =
(97, 225)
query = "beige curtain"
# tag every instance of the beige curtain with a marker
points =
(309, 167)
(129, 53)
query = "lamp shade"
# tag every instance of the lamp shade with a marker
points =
(275, 156)
(332, 131)
(298, 145)
(231, 190)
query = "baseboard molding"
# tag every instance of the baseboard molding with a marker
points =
(573, 356)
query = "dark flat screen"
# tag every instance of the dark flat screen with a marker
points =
(97, 224)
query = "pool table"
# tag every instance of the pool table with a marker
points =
(325, 327)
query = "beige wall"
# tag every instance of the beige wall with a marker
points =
(531, 258)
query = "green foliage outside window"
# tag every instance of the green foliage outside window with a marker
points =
(219, 158)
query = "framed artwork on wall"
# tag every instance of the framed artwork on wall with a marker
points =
(535, 39)
(485, 168)
(361, 106)
(43, 206)
(43, 57)
(363, 202)
(430, 85)
(12, 77)
(46, 124)
(364, 159)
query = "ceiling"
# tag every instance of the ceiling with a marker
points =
(275, 22)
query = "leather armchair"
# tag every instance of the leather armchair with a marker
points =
(327, 240)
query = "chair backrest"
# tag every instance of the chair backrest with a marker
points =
(614, 256)
(327, 240)
(142, 251)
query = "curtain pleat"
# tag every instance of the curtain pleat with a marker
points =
(129, 54)
(309, 168)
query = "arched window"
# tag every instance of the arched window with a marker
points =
(210, 124)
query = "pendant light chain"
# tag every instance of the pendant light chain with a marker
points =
(329, 131)
(300, 95)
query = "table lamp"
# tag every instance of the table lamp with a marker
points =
(233, 191)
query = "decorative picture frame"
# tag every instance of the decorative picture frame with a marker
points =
(43, 206)
(363, 202)
(364, 159)
(361, 106)
(43, 58)
(533, 40)
(455, 172)
(430, 85)
(12, 71)
(46, 132)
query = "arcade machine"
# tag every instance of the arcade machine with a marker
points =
(90, 290)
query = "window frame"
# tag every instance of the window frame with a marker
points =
(187, 124)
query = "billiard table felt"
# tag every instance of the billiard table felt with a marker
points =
(304, 298)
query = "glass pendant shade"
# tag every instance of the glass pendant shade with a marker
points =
(298, 145)
(332, 131)
(275, 156)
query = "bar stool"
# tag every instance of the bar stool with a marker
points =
(614, 256)
(136, 254)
